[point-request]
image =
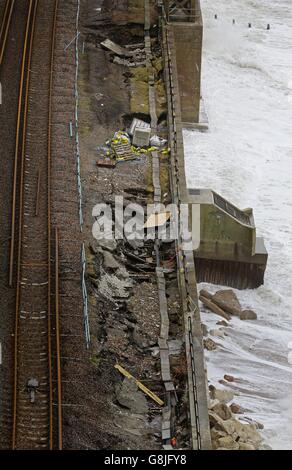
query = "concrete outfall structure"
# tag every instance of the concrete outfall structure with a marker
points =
(230, 253)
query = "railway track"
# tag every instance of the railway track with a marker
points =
(37, 392)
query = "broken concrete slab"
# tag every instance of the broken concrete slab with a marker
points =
(129, 396)
(118, 50)
(109, 261)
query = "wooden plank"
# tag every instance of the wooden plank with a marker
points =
(142, 387)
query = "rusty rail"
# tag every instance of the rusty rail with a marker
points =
(58, 343)
(6, 20)
(49, 150)
(17, 143)
(22, 79)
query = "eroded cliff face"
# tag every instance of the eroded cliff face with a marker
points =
(121, 279)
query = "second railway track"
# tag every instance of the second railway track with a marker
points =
(36, 423)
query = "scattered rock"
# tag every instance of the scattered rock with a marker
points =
(228, 443)
(214, 308)
(141, 340)
(111, 287)
(222, 323)
(236, 409)
(105, 244)
(248, 315)
(216, 422)
(210, 345)
(222, 410)
(109, 261)
(130, 325)
(129, 396)
(256, 424)
(215, 434)
(239, 432)
(228, 301)
(246, 446)
(229, 378)
(224, 396)
(206, 294)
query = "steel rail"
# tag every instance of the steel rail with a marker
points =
(27, 44)
(5, 27)
(58, 343)
(49, 150)
(17, 142)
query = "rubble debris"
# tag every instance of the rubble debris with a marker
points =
(246, 446)
(124, 147)
(129, 396)
(222, 323)
(138, 123)
(121, 146)
(112, 287)
(118, 50)
(141, 137)
(228, 301)
(157, 219)
(140, 262)
(222, 410)
(128, 63)
(225, 303)
(236, 409)
(106, 163)
(109, 261)
(210, 345)
(235, 434)
(157, 141)
(257, 425)
(229, 378)
(141, 341)
(224, 396)
(248, 315)
(214, 308)
(142, 387)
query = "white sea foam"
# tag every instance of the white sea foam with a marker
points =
(247, 157)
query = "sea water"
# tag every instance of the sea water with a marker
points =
(247, 157)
